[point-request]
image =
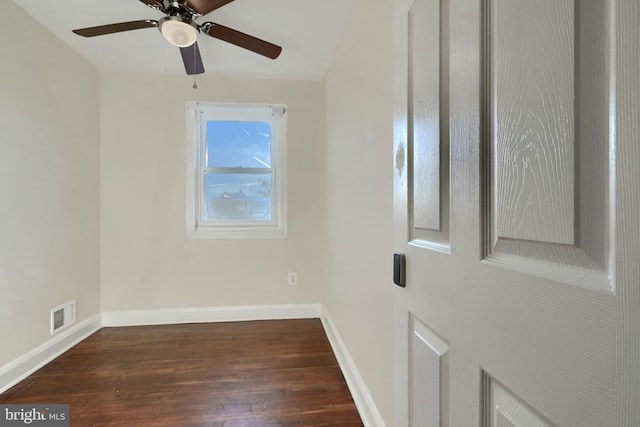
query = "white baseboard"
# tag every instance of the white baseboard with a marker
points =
(210, 314)
(17, 370)
(361, 396)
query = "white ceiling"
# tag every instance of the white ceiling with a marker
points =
(307, 30)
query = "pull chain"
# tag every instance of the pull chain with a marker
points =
(195, 71)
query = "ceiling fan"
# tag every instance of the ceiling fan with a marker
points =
(180, 29)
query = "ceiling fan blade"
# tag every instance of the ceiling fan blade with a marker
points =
(243, 40)
(205, 6)
(192, 59)
(115, 28)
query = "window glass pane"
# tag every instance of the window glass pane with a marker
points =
(237, 196)
(233, 144)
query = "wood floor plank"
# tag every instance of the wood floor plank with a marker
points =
(240, 374)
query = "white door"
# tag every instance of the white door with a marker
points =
(517, 196)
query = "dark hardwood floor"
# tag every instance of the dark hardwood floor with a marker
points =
(262, 373)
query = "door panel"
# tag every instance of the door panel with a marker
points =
(549, 146)
(532, 282)
(532, 81)
(503, 409)
(429, 362)
(424, 41)
(428, 135)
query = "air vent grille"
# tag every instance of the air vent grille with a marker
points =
(63, 316)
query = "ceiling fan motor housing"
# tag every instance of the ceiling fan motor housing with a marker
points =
(177, 7)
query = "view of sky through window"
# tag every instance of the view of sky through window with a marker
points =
(244, 193)
(233, 144)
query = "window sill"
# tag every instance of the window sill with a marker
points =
(236, 233)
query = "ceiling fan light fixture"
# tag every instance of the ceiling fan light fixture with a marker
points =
(178, 32)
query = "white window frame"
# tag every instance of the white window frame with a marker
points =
(197, 115)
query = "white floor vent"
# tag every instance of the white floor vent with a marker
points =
(62, 316)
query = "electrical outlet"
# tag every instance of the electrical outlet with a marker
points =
(293, 278)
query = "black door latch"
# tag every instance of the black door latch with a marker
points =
(399, 270)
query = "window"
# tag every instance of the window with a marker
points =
(236, 171)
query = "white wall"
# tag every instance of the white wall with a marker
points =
(146, 260)
(49, 141)
(359, 297)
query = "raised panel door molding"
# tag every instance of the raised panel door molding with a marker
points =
(534, 119)
(428, 125)
(501, 408)
(548, 192)
(429, 382)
